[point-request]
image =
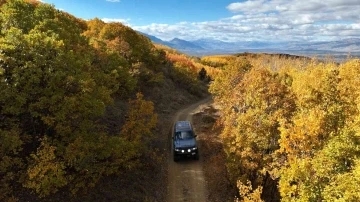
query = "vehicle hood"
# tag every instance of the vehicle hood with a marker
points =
(185, 143)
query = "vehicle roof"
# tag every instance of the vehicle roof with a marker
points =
(182, 126)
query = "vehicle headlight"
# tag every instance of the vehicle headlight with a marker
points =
(195, 148)
(182, 151)
(177, 149)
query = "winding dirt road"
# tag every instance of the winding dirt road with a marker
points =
(186, 181)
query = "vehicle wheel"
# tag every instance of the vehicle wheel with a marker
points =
(196, 157)
(176, 158)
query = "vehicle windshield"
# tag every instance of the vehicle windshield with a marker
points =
(183, 135)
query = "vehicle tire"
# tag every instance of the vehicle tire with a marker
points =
(176, 158)
(196, 157)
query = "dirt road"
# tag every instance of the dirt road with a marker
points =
(186, 180)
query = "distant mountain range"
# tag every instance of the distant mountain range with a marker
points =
(209, 46)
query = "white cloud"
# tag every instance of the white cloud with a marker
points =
(247, 6)
(113, 1)
(303, 19)
(271, 20)
(123, 21)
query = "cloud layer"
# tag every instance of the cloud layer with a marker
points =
(123, 21)
(274, 20)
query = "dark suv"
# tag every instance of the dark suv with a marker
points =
(184, 142)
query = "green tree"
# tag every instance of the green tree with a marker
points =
(17, 14)
(54, 88)
(11, 162)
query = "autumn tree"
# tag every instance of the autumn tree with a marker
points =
(321, 142)
(297, 127)
(255, 106)
(292, 127)
(140, 122)
(54, 88)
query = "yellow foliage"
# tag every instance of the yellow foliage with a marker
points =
(46, 174)
(217, 60)
(141, 120)
(294, 120)
(344, 187)
(304, 136)
(247, 193)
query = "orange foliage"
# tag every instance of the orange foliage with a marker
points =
(182, 59)
(142, 120)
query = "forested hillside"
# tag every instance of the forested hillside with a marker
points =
(290, 127)
(84, 106)
(79, 102)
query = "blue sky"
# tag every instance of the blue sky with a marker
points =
(144, 12)
(227, 20)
